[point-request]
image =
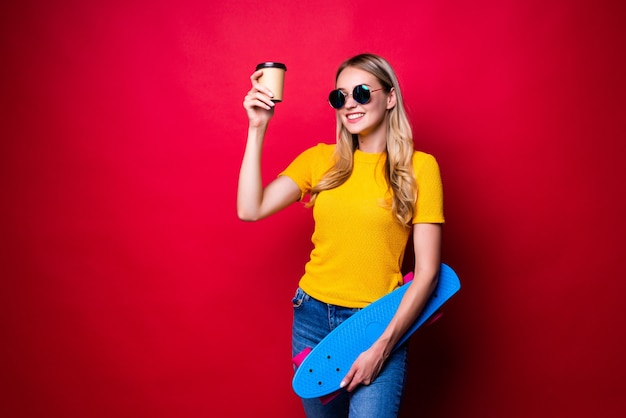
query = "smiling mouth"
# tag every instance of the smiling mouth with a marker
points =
(354, 116)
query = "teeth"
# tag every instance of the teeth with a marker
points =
(355, 116)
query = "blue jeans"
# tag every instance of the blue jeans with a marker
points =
(381, 399)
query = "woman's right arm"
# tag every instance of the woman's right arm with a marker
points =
(255, 202)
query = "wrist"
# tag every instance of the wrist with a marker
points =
(256, 133)
(382, 347)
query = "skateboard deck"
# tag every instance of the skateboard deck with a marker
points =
(322, 369)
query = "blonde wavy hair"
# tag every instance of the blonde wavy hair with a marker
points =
(398, 166)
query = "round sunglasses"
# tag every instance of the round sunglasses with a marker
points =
(361, 94)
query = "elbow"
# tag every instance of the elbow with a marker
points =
(429, 278)
(246, 216)
(434, 276)
(434, 281)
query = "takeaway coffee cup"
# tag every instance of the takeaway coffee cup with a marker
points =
(273, 78)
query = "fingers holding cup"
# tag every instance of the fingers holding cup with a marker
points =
(273, 78)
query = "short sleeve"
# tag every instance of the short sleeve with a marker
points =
(429, 204)
(308, 167)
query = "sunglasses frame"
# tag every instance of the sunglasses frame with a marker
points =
(356, 95)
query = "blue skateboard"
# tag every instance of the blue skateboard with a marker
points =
(321, 370)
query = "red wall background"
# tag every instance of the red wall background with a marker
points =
(130, 289)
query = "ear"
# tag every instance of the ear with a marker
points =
(391, 98)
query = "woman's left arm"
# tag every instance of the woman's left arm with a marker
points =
(427, 246)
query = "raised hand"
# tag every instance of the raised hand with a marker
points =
(258, 102)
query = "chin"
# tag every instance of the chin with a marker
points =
(353, 129)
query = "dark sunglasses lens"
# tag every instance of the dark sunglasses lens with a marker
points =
(336, 99)
(361, 94)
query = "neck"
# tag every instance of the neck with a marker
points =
(372, 145)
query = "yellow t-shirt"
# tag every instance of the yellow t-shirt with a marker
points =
(358, 245)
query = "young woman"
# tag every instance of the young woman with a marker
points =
(369, 192)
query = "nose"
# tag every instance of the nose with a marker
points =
(350, 102)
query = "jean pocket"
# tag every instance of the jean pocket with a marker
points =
(299, 298)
